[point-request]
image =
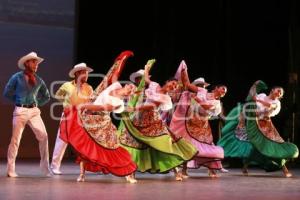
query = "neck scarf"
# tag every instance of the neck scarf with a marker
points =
(31, 78)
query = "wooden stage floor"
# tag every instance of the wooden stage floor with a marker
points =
(233, 185)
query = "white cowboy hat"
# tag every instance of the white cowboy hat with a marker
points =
(79, 67)
(200, 81)
(30, 56)
(134, 75)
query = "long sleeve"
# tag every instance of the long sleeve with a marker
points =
(275, 108)
(43, 94)
(165, 102)
(62, 92)
(104, 98)
(10, 88)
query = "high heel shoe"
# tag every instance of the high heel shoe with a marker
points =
(184, 174)
(12, 174)
(223, 170)
(81, 178)
(178, 176)
(288, 175)
(130, 179)
(286, 172)
(212, 173)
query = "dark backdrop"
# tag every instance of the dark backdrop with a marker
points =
(226, 41)
(46, 27)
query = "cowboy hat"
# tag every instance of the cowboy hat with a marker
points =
(200, 81)
(79, 67)
(30, 56)
(136, 74)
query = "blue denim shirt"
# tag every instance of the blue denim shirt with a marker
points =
(18, 90)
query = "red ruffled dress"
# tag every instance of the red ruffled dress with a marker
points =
(94, 137)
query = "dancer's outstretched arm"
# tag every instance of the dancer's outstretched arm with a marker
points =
(186, 82)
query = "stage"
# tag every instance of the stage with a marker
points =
(233, 185)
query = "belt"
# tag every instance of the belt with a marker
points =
(26, 105)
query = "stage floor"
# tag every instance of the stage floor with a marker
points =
(233, 185)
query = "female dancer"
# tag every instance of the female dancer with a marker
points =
(190, 121)
(90, 131)
(250, 134)
(152, 146)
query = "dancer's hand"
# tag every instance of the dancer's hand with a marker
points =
(147, 68)
(130, 109)
(254, 98)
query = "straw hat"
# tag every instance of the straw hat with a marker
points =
(30, 56)
(136, 74)
(79, 67)
(200, 81)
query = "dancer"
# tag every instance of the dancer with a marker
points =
(147, 138)
(190, 121)
(27, 91)
(249, 133)
(71, 93)
(175, 94)
(90, 131)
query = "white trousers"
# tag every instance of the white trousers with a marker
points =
(58, 152)
(32, 117)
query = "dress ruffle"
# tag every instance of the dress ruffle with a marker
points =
(266, 146)
(160, 152)
(98, 158)
(208, 155)
(265, 149)
(233, 146)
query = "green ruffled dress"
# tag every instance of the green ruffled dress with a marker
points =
(254, 147)
(152, 146)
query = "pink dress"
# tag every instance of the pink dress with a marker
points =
(191, 122)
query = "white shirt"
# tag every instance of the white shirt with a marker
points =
(271, 111)
(208, 99)
(105, 98)
(152, 95)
